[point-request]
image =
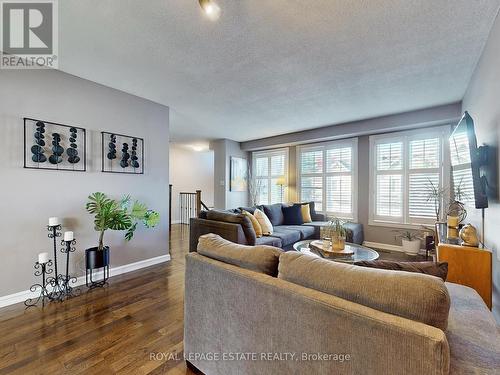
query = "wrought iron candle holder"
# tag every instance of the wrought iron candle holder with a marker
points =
(67, 279)
(57, 287)
(56, 281)
(41, 269)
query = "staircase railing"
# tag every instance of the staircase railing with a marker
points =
(190, 205)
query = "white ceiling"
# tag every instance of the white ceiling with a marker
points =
(272, 67)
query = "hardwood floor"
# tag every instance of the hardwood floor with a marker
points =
(133, 326)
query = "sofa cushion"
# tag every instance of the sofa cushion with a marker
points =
(472, 334)
(413, 296)
(287, 236)
(274, 213)
(263, 259)
(438, 269)
(306, 232)
(270, 241)
(265, 223)
(292, 215)
(241, 219)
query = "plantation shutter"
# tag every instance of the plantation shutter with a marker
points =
(389, 180)
(424, 172)
(326, 174)
(270, 168)
(406, 165)
(462, 172)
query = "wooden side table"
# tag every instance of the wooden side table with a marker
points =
(469, 266)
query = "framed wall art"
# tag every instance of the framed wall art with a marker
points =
(52, 146)
(238, 178)
(122, 153)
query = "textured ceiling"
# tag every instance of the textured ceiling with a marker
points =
(272, 67)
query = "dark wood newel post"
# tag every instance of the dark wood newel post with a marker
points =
(198, 202)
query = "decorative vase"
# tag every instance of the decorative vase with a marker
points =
(468, 234)
(411, 247)
(327, 243)
(338, 243)
(96, 259)
(441, 232)
(453, 223)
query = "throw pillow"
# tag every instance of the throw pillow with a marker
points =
(439, 269)
(255, 223)
(274, 213)
(306, 212)
(312, 210)
(265, 223)
(293, 215)
(241, 219)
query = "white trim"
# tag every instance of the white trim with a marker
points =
(14, 298)
(383, 246)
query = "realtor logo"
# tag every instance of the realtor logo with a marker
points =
(28, 34)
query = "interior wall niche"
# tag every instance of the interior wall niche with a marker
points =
(52, 146)
(122, 153)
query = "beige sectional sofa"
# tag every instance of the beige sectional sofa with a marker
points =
(258, 310)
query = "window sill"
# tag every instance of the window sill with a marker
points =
(389, 224)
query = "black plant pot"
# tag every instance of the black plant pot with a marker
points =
(95, 260)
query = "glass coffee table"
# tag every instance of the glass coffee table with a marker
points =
(360, 252)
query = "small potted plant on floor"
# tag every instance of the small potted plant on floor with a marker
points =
(410, 241)
(110, 214)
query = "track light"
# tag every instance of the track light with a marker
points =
(210, 8)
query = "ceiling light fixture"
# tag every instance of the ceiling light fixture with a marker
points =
(210, 8)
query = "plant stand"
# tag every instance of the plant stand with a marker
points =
(95, 260)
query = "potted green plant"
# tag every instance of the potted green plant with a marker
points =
(410, 242)
(337, 233)
(110, 214)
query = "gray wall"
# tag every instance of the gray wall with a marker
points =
(30, 197)
(223, 150)
(482, 100)
(436, 116)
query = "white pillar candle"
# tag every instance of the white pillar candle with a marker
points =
(68, 236)
(43, 258)
(53, 221)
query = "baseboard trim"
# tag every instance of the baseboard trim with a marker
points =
(384, 246)
(22, 296)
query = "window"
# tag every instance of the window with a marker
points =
(463, 186)
(403, 168)
(327, 176)
(270, 176)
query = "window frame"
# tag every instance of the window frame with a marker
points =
(444, 169)
(324, 146)
(270, 177)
